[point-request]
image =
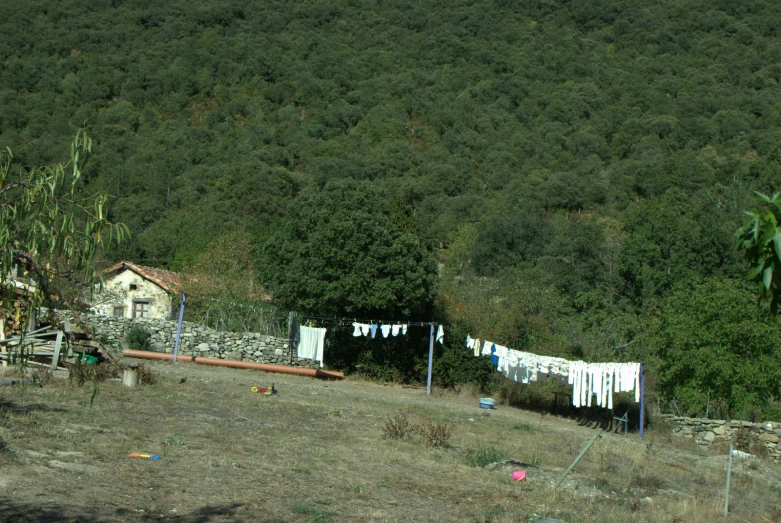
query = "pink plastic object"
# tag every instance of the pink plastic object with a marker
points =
(519, 475)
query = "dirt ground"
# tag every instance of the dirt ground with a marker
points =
(317, 452)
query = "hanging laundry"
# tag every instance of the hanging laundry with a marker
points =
(357, 331)
(487, 347)
(470, 342)
(440, 335)
(395, 330)
(373, 329)
(477, 347)
(365, 329)
(385, 330)
(404, 329)
(311, 343)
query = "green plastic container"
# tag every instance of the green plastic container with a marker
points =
(86, 359)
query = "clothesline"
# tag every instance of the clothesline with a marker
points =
(347, 322)
(588, 379)
(311, 340)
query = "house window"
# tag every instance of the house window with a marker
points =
(119, 311)
(140, 309)
(133, 287)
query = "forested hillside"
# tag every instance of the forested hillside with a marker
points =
(578, 168)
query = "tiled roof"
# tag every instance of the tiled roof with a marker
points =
(167, 280)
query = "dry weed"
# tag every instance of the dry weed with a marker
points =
(107, 369)
(743, 439)
(647, 481)
(398, 426)
(146, 376)
(758, 449)
(436, 434)
(43, 376)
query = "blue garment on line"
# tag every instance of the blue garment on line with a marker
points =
(494, 357)
(373, 329)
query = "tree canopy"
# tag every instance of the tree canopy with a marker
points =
(48, 228)
(717, 348)
(568, 164)
(339, 253)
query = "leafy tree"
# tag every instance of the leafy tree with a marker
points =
(48, 227)
(760, 239)
(338, 252)
(222, 289)
(714, 344)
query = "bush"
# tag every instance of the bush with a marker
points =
(137, 338)
(436, 434)
(482, 456)
(398, 427)
(146, 376)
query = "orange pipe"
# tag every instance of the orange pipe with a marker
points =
(316, 373)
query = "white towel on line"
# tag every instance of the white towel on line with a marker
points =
(310, 345)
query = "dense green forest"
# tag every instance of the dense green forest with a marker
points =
(577, 168)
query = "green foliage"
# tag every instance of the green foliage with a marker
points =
(223, 292)
(137, 338)
(760, 239)
(715, 346)
(569, 163)
(454, 366)
(484, 455)
(47, 225)
(339, 253)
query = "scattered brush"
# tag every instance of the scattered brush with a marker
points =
(107, 369)
(398, 426)
(77, 373)
(43, 376)
(743, 439)
(436, 434)
(146, 376)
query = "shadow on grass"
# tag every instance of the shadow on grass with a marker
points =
(9, 407)
(11, 512)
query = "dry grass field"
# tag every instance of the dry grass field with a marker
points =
(317, 451)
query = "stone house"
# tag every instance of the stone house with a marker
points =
(135, 291)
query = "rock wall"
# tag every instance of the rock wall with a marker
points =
(197, 340)
(742, 433)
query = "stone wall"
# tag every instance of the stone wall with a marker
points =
(707, 431)
(197, 340)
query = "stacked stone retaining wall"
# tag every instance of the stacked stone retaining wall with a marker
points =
(744, 433)
(197, 340)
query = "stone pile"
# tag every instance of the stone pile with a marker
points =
(197, 340)
(708, 431)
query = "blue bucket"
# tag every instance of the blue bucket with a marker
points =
(486, 403)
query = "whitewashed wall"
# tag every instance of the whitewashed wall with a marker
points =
(117, 292)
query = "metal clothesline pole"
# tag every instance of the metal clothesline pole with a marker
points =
(179, 327)
(430, 360)
(642, 399)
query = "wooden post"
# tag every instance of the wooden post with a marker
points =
(130, 378)
(729, 473)
(57, 347)
(179, 327)
(2, 337)
(430, 360)
(642, 399)
(582, 452)
(292, 329)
